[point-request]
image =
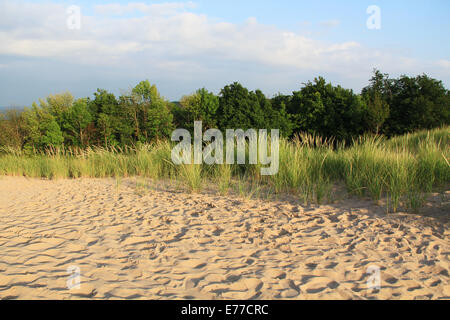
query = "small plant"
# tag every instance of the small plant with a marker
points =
(403, 170)
(223, 178)
(191, 175)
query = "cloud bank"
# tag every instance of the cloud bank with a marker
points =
(170, 42)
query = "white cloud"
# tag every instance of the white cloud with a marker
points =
(151, 9)
(165, 31)
(169, 38)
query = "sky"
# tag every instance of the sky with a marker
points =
(275, 46)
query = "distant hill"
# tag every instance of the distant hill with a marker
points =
(3, 109)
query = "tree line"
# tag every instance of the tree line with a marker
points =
(386, 106)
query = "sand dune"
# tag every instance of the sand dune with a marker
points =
(158, 244)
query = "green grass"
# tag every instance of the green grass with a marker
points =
(402, 170)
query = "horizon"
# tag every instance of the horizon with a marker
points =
(184, 46)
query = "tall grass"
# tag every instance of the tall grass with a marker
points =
(402, 169)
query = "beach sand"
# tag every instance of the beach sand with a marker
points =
(130, 242)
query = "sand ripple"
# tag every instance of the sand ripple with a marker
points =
(165, 245)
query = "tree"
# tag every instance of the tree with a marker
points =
(159, 123)
(417, 103)
(57, 105)
(275, 116)
(376, 96)
(5, 131)
(110, 119)
(377, 112)
(282, 119)
(42, 129)
(76, 120)
(106, 130)
(11, 129)
(51, 133)
(200, 106)
(239, 109)
(323, 109)
(131, 107)
(151, 114)
(388, 106)
(243, 109)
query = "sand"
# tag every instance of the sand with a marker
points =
(134, 243)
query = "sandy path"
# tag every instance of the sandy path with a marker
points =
(166, 245)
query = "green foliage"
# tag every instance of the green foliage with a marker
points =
(200, 106)
(42, 129)
(57, 105)
(106, 129)
(323, 109)
(75, 123)
(160, 122)
(109, 121)
(275, 116)
(376, 99)
(280, 117)
(11, 129)
(415, 103)
(377, 112)
(243, 109)
(386, 106)
(239, 108)
(149, 114)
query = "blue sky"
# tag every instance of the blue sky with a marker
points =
(181, 46)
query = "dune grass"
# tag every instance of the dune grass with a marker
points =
(403, 169)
